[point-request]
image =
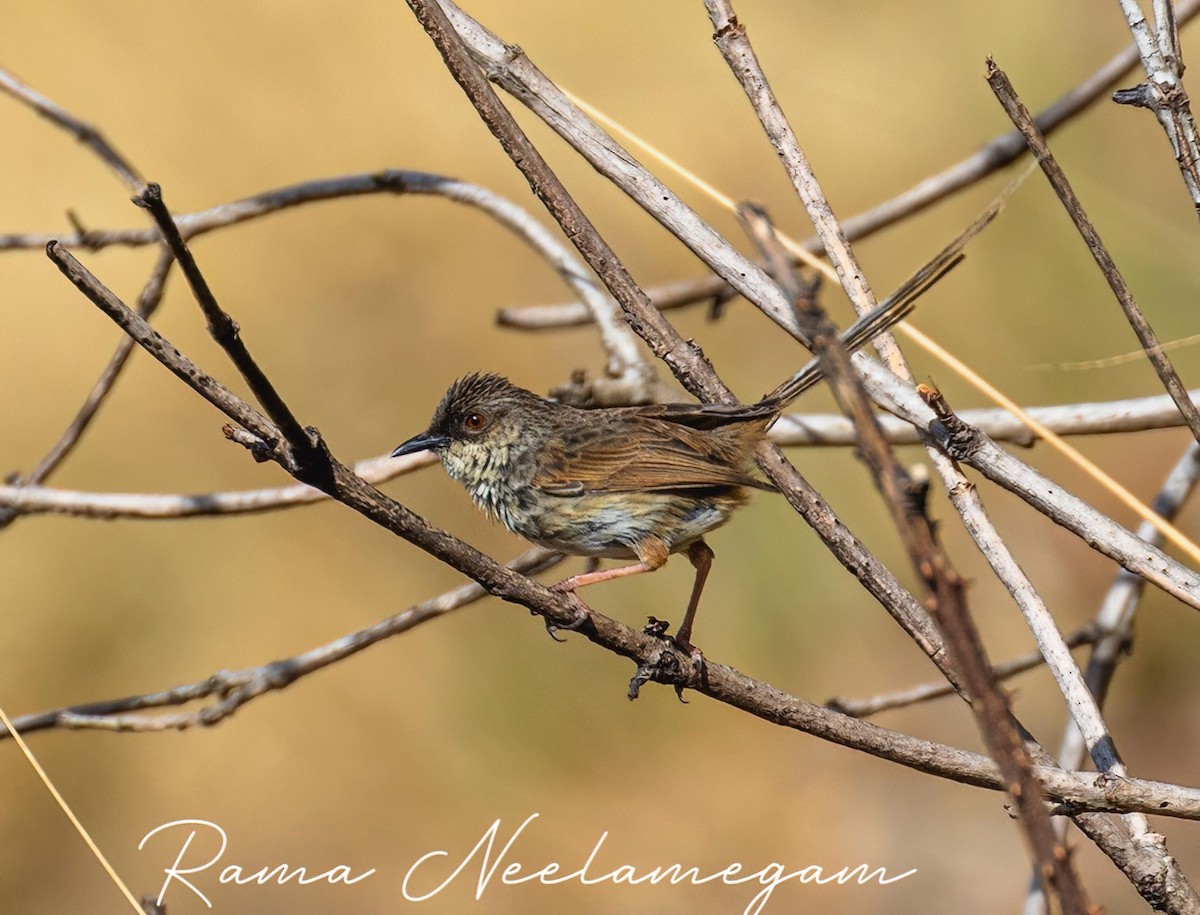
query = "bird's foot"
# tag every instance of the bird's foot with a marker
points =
(683, 642)
(582, 611)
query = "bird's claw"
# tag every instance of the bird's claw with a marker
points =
(581, 609)
(693, 653)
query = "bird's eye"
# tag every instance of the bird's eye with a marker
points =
(474, 422)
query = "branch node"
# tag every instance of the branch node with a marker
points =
(958, 439)
(1140, 96)
(260, 449)
(662, 668)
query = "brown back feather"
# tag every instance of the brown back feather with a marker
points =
(655, 448)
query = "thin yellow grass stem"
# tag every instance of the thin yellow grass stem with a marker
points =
(41, 773)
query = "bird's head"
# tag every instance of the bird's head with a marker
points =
(480, 419)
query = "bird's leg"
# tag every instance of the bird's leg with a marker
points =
(590, 578)
(701, 556)
(651, 555)
(568, 585)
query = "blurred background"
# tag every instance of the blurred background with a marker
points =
(363, 310)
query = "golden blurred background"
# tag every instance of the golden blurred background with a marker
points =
(363, 310)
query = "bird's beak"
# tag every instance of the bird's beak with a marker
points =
(426, 441)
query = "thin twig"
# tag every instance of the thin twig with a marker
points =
(1113, 626)
(234, 689)
(793, 429)
(162, 350)
(1163, 91)
(632, 378)
(226, 332)
(734, 43)
(944, 588)
(148, 303)
(925, 692)
(1133, 415)
(969, 446)
(1019, 114)
(82, 131)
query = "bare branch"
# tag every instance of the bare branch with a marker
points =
(1164, 92)
(162, 350)
(85, 133)
(304, 450)
(1134, 415)
(886, 702)
(971, 447)
(944, 587)
(1019, 114)
(148, 303)
(233, 689)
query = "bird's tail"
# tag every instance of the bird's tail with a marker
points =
(894, 309)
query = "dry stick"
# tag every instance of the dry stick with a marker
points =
(886, 702)
(1133, 415)
(969, 446)
(226, 332)
(385, 181)
(1139, 853)
(85, 133)
(162, 350)
(734, 44)
(794, 429)
(684, 358)
(1164, 93)
(992, 156)
(1016, 110)
(944, 588)
(1115, 617)
(656, 659)
(234, 689)
(1113, 626)
(148, 302)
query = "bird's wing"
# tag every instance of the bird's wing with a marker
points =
(654, 455)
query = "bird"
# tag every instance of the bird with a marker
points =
(631, 483)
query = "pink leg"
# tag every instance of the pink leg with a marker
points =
(591, 578)
(569, 585)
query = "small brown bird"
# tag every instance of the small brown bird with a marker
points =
(622, 482)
